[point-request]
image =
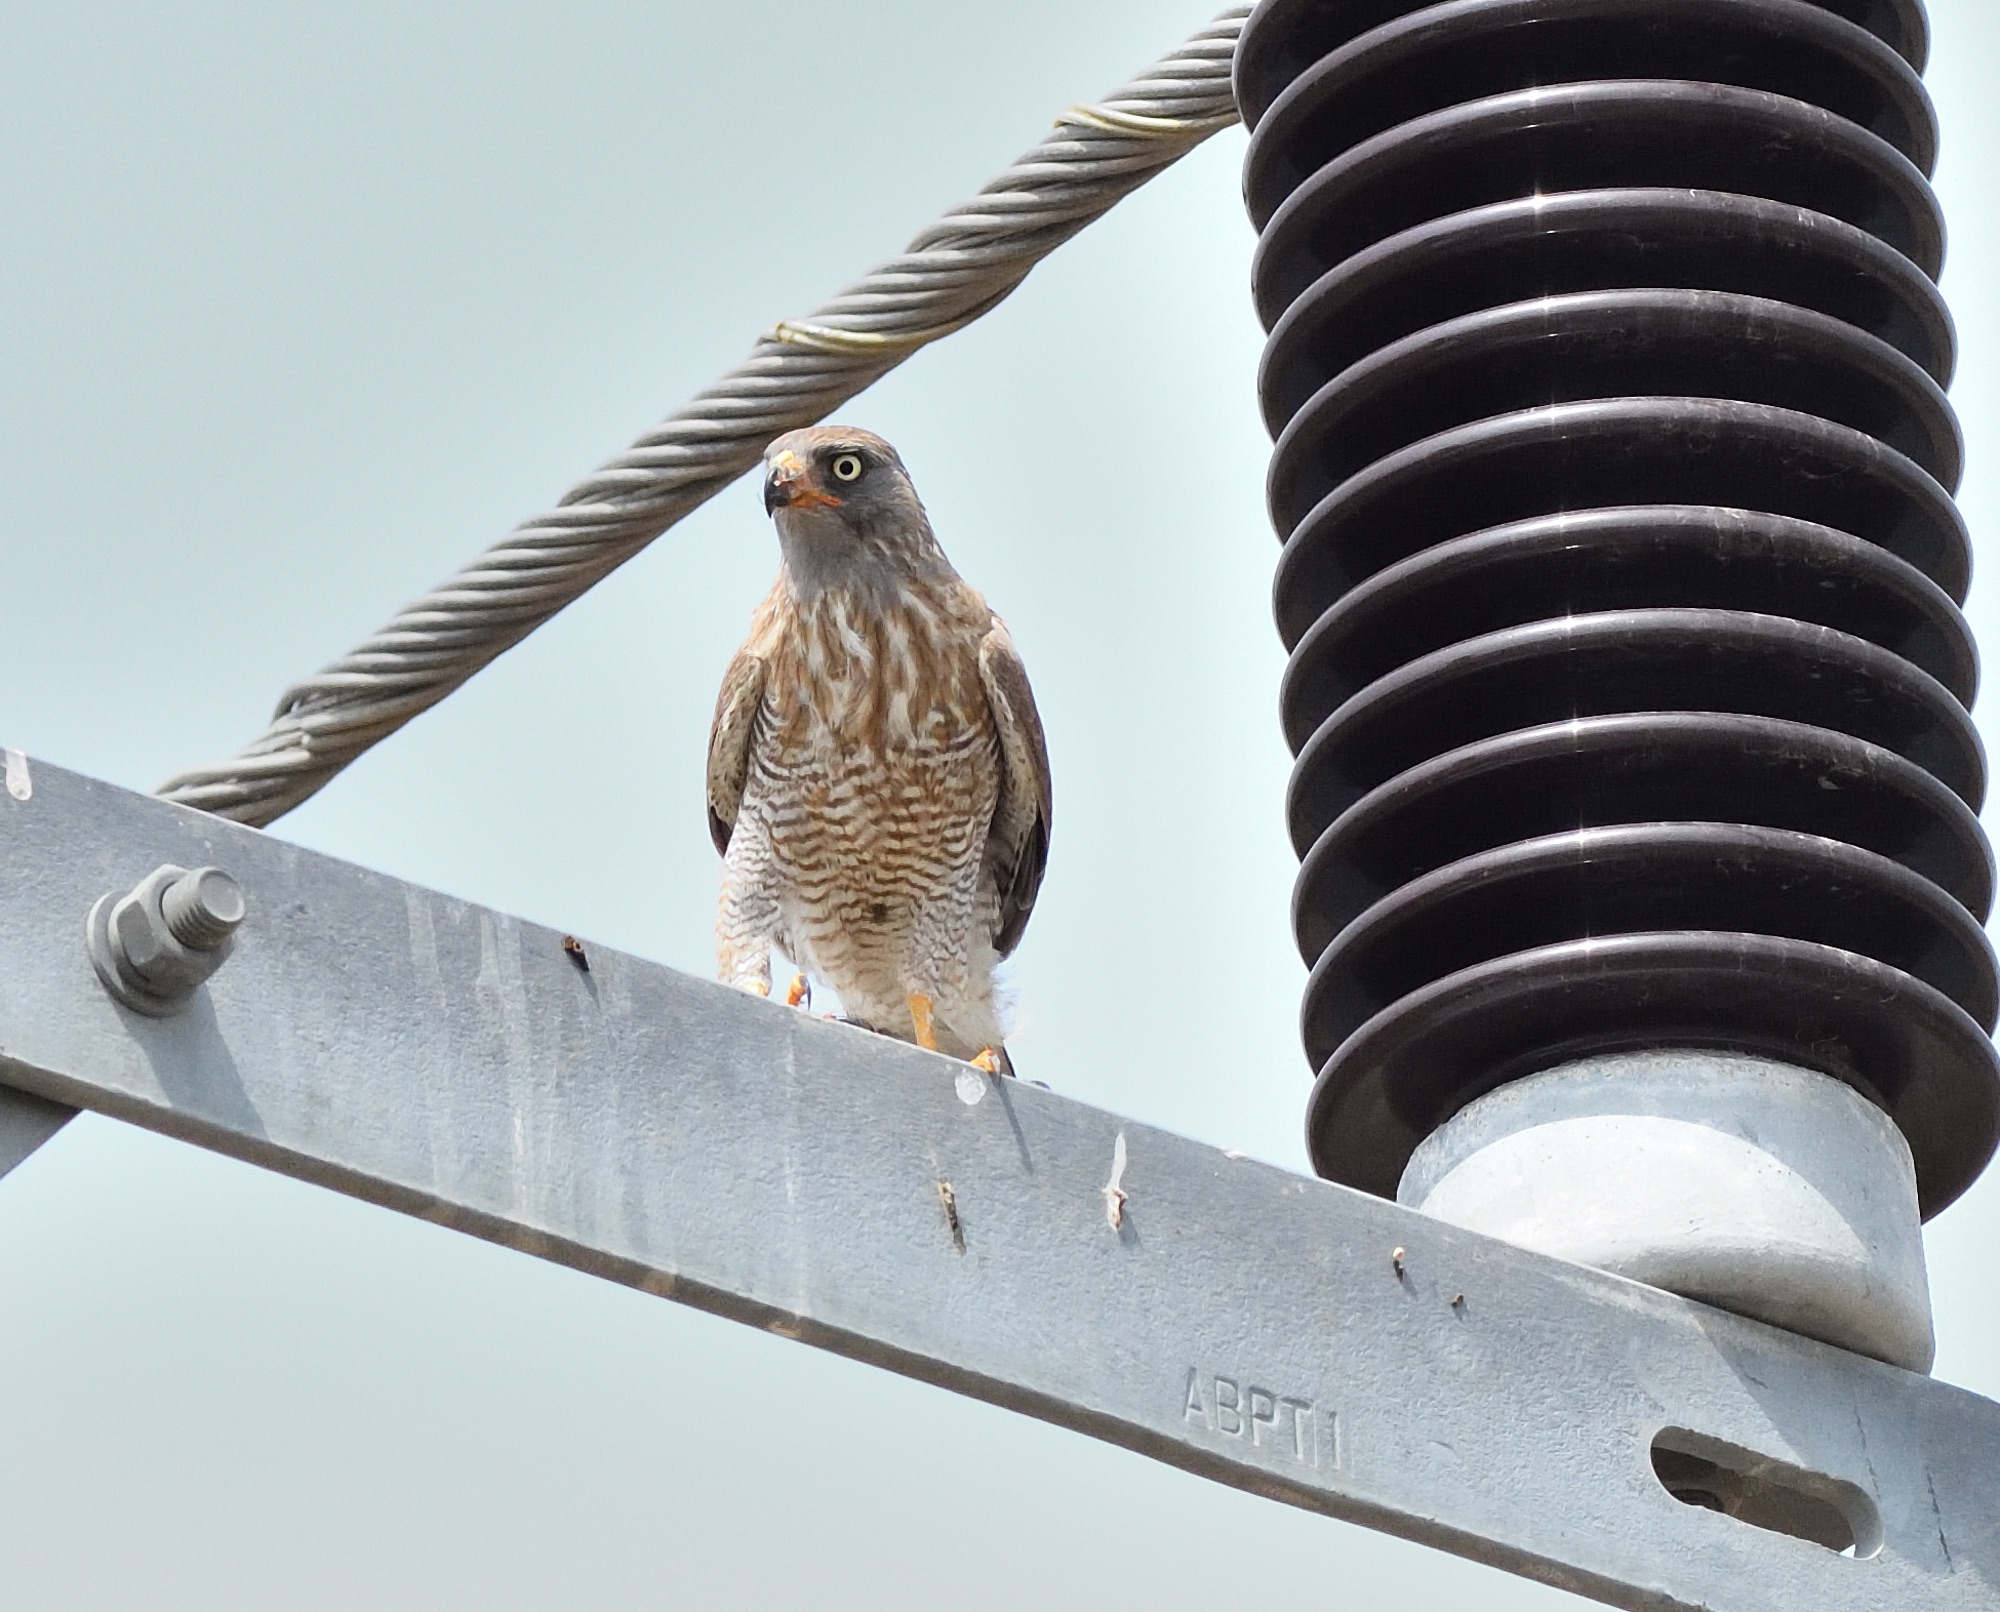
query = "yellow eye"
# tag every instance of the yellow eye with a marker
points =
(847, 467)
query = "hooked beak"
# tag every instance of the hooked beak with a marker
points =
(788, 485)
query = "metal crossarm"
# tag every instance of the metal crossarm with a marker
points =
(1280, 1334)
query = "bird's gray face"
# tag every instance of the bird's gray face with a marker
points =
(845, 510)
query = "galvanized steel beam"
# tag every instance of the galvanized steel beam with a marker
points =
(1280, 1334)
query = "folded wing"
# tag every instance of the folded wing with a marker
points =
(1017, 845)
(729, 739)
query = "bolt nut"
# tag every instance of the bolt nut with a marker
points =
(154, 947)
(136, 937)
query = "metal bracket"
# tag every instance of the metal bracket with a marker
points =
(1269, 1331)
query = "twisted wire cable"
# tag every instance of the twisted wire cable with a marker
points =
(953, 272)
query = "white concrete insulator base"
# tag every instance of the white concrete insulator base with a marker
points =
(1755, 1186)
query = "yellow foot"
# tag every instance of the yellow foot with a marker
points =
(991, 1061)
(800, 994)
(920, 1019)
(757, 987)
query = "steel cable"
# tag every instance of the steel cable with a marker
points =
(954, 271)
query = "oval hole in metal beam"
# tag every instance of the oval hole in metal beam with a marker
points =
(1766, 1493)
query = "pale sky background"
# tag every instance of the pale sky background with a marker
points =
(300, 306)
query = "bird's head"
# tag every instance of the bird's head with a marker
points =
(845, 510)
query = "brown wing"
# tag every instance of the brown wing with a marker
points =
(1017, 846)
(736, 710)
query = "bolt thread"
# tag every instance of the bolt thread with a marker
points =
(203, 908)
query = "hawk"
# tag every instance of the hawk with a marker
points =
(878, 783)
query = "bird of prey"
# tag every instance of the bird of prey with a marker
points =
(878, 783)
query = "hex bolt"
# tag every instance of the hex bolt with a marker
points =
(154, 947)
